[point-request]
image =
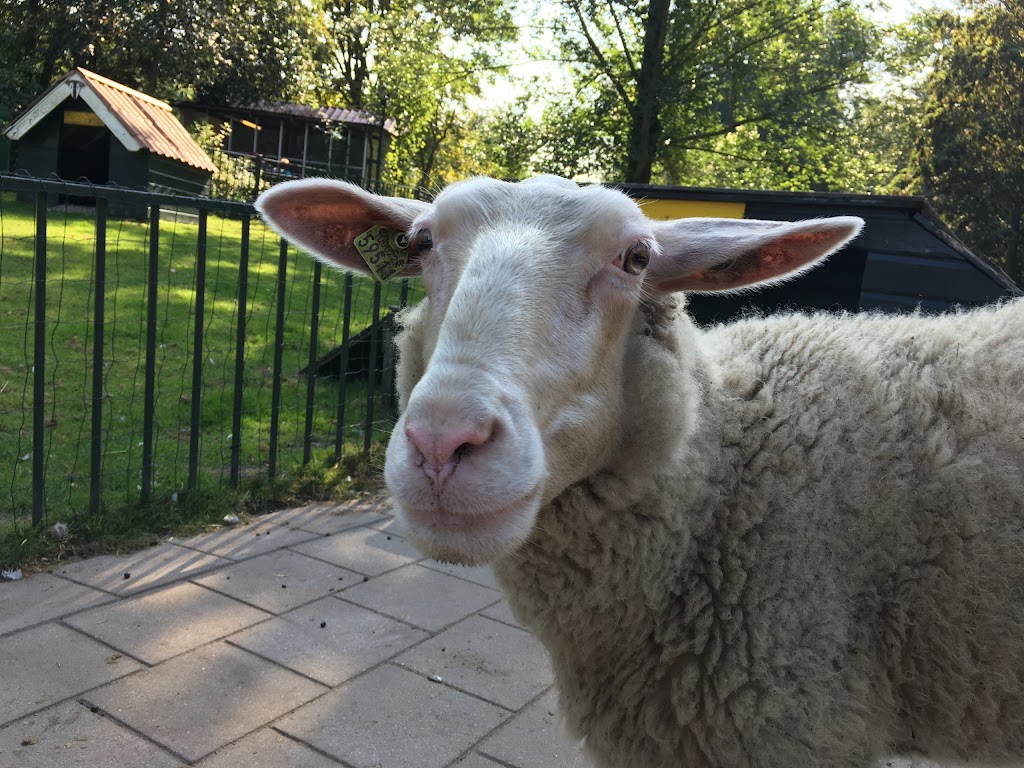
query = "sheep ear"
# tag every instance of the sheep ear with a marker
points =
(707, 255)
(344, 225)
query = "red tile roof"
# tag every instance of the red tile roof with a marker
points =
(137, 120)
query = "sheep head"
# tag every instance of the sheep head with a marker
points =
(512, 370)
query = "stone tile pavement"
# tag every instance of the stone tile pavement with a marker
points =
(313, 637)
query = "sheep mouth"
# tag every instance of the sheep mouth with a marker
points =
(471, 538)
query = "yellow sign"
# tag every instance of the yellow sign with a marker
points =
(82, 118)
(662, 210)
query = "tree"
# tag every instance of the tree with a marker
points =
(858, 139)
(886, 116)
(213, 49)
(971, 153)
(507, 139)
(667, 81)
(419, 62)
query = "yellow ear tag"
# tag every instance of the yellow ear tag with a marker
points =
(385, 251)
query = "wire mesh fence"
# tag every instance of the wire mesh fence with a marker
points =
(181, 346)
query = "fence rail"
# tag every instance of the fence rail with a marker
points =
(215, 313)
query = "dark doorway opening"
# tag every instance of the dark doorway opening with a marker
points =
(84, 154)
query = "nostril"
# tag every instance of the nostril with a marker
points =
(443, 446)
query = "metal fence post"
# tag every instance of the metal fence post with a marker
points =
(197, 354)
(371, 380)
(149, 390)
(314, 329)
(98, 331)
(243, 298)
(339, 437)
(275, 392)
(39, 367)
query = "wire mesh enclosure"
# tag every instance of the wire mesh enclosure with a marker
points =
(188, 346)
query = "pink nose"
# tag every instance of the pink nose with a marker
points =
(443, 448)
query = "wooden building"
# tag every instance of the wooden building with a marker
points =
(86, 126)
(904, 259)
(296, 141)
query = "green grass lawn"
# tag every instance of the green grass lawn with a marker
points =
(68, 369)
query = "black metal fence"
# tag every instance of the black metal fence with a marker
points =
(143, 359)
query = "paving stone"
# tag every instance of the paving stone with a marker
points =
(244, 541)
(393, 718)
(332, 517)
(480, 574)
(336, 522)
(127, 574)
(292, 515)
(223, 702)
(353, 640)
(535, 739)
(267, 748)
(421, 596)
(392, 525)
(166, 622)
(476, 760)
(496, 662)
(49, 663)
(42, 597)
(279, 581)
(364, 550)
(201, 701)
(337, 519)
(70, 736)
(501, 612)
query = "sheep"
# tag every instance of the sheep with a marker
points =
(794, 540)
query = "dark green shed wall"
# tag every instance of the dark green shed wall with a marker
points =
(903, 260)
(37, 154)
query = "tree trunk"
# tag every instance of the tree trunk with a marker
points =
(645, 130)
(426, 164)
(161, 38)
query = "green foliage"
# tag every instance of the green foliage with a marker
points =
(507, 140)
(971, 150)
(235, 178)
(876, 148)
(781, 94)
(713, 91)
(418, 62)
(216, 50)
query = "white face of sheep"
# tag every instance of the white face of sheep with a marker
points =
(515, 359)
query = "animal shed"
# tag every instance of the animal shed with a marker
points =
(289, 141)
(904, 259)
(86, 126)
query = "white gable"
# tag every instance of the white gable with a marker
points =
(72, 87)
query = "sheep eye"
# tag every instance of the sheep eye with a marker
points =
(423, 242)
(636, 258)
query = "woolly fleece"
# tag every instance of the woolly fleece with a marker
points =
(807, 549)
